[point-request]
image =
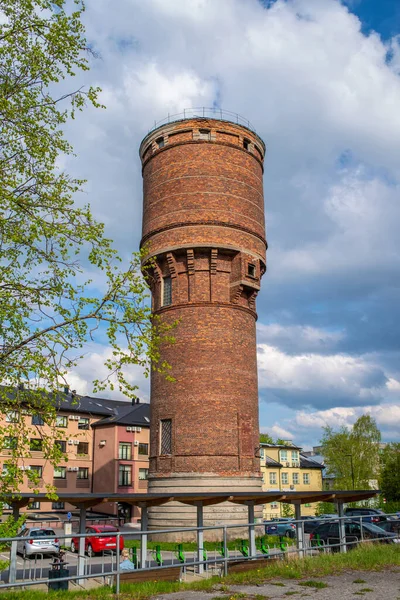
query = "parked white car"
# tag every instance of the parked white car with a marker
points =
(40, 544)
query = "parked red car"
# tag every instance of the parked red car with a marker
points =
(98, 543)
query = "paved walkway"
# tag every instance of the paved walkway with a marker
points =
(383, 585)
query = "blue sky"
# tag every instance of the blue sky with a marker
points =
(319, 79)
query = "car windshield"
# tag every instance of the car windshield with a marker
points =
(42, 533)
(373, 528)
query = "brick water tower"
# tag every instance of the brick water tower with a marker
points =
(203, 225)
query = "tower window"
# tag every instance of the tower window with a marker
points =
(204, 134)
(166, 436)
(160, 142)
(246, 144)
(251, 270)
(167, 291)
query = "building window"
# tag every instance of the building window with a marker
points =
(36, 445)
(274, 505)
(10, 443)
(125, 475)
(83, 423)
(143, 474)
(251, 270)
(295, 478)
(167, 291)
(37, 420)
(57, 505)
(285, 478)
(272, 478)
(38, 470)
(12, 416)
(61, 421)
(166, 436)
(143, 449)
(62, 444)
(35, 505)
(205, 134)
(262, 453)
(306, 478)
(246, 144)
(125, 451)
(160, 142)
(83, 473)
(60, 473)
(83, 448)
(283, 455)
(295, 456)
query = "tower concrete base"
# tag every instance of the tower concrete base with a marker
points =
(177, 514)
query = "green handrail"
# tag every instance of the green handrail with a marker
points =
(134, 557)
(282, 544)
(263, 546)
(158, 556)
(221, 549)
(179, 553)
(244, 549)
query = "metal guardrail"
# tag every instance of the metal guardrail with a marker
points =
(195, 560)
(203, 112)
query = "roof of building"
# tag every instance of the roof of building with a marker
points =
(270, 462)
(137, 414)
(308, 463)
(284, 446)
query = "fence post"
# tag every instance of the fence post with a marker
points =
(118, 562)
(225, 551)
(200, 536)
(342, 527)
(12, 571)
(299, 530)
(81, 555)
(252, 532)
(143, 538)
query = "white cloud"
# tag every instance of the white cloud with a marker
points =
(293, 338)
(319, 380)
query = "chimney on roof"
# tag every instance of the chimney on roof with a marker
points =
(137, 400)
(66, 389)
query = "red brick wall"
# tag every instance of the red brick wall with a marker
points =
(203, 220)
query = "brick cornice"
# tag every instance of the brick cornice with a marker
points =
(202, 223)
(172, 307)
(186, 142)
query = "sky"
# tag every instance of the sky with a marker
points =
(320, 82)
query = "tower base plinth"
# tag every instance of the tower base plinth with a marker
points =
(177, 514)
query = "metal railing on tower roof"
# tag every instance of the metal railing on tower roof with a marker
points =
(203, 112)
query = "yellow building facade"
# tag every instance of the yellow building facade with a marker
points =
(285, 469)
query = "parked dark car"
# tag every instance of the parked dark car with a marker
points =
(309, 523)
(280, 527)
(328, 533)
(392, 526)
(369, 515)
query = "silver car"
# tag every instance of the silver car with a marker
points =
(40, 544)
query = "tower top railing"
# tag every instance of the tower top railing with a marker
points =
(203, 112)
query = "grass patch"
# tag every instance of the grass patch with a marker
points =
(359, 581)
(369, 558)
(290, 593)
(314, 584)
(366, 590)
(276, 583)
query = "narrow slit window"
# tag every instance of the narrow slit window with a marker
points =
(204, 134)
(160, 142)
(166, 436)
(246, 144)
(167, 291)
(251, 270)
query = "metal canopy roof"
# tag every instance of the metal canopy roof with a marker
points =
(141, 500)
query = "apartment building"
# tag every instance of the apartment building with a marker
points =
(105, 444)
(284, 468)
